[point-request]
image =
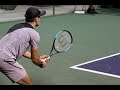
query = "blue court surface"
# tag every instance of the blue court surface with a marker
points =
(108, 65)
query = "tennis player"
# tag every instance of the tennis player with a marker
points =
(17, 42)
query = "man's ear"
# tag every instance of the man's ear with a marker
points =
(35, 20)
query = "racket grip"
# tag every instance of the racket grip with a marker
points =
(50, 54)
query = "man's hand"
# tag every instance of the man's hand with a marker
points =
(44, 60)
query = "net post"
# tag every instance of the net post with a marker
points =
(53, 9)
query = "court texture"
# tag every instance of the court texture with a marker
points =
(93, 59)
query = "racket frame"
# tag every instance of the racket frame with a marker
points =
(53, 46)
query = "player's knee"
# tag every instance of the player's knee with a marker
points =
(25, 81)
(28, 82)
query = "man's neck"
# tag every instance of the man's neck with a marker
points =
(32, 24)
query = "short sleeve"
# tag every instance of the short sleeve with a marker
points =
(34, 38)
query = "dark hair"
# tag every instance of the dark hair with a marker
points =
(30, 20)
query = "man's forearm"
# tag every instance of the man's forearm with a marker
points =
(35, 61)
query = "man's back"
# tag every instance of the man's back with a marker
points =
(18, 39)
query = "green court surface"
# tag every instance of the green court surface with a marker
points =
(94, 36)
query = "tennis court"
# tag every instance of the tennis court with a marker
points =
(94, 37)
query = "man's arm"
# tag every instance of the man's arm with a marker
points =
(36, 59)
(27, 54)
(34, 56)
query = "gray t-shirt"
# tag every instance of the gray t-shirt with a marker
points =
(18, 40)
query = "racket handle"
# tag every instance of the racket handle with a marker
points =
(51, 54)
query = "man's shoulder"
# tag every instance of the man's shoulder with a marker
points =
(32, 31)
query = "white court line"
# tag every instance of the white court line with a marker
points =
(93, 71)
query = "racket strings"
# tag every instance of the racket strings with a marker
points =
(63, 40)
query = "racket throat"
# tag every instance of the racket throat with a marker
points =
(51, 54)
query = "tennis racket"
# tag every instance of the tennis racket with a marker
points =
(61, 42)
